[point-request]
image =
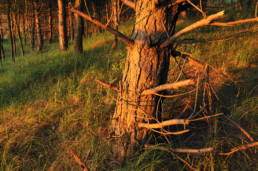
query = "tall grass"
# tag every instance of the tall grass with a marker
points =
(50, 103)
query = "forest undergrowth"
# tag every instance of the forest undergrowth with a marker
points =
(51, 103)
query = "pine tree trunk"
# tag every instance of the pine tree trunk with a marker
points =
(63, 41)
(38, 27)
(71, 25)
(79, 28)
(24, 29)
(50, 22)
(10, 31)
(115, 8)
(16, 22)
(146, 67)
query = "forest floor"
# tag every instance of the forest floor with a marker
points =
(50, 104)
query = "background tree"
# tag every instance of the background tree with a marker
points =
(79, 28)
(62, 31)
(38, 26)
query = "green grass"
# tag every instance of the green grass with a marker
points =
(50, 102)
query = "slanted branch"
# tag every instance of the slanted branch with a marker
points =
(79, 161)
(196, 25)
(164, 123)
(129, 3)
(169, 86)
(108, 86)
(242, 147)
(120, 35)
(234, 22)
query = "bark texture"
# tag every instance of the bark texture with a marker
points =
(78, 28)
(63, 41)
(10, 31)
(146, 67)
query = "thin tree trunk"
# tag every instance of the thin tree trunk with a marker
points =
(79, 28)
(146, 67)
(71, 29)
(115, 8)
(63, 41)
(24, 29)
(16, 23)
(38, 27)
(10, 31)
(13, 36)
(50, 22)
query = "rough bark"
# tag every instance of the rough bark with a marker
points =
(78, 28)
(115, 8)
(71, 29)
(38, 27)
(62, 31)
(17, 26)
(146, 67)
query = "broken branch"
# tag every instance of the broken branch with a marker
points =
(234, 22)
(129, 3)
(79, 161)
(168, 86)
(120, 35)
(181, 150)
(196, 25)
(165, 123)
(108, 86)
(242, 147)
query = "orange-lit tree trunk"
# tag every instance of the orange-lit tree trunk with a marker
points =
(38, 27)
(71, 29)
(50, 22)
(17, 26)
(115, 9)
(146, 67)
(62, 31)
(79, 27)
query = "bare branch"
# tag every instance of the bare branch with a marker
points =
(164, 123)
(168, 86)
(79, 161)
(234, 22)
(181, 150)
(108, 86)
(120, 35)
(196, 25)
(242, 147)
(129, 3)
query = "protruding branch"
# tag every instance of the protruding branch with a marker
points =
(164, 123)
(123, 37)
(242, 147)
(108, 86)
(129, 3)
(196, 25)
(168, 86)
(234, 22)
(181, 150)
(79, 161)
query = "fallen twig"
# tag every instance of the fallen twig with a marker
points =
(242, 147)
(239, 127)
(79, 161)
(181, 150)
(234, 22)
(164, 123)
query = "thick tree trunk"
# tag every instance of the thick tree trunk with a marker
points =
(10, 31)
(146, 67)
(71, 25)
(79, 29)
(38, 27)
(63, 41)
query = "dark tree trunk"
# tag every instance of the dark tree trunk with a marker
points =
(79, 28)
(24, 29)
(16, 23)
(146, 67)
(50, 22)
(10, 31)
(2, 54)
(38, 27)
(14, 38)
(63, 41)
